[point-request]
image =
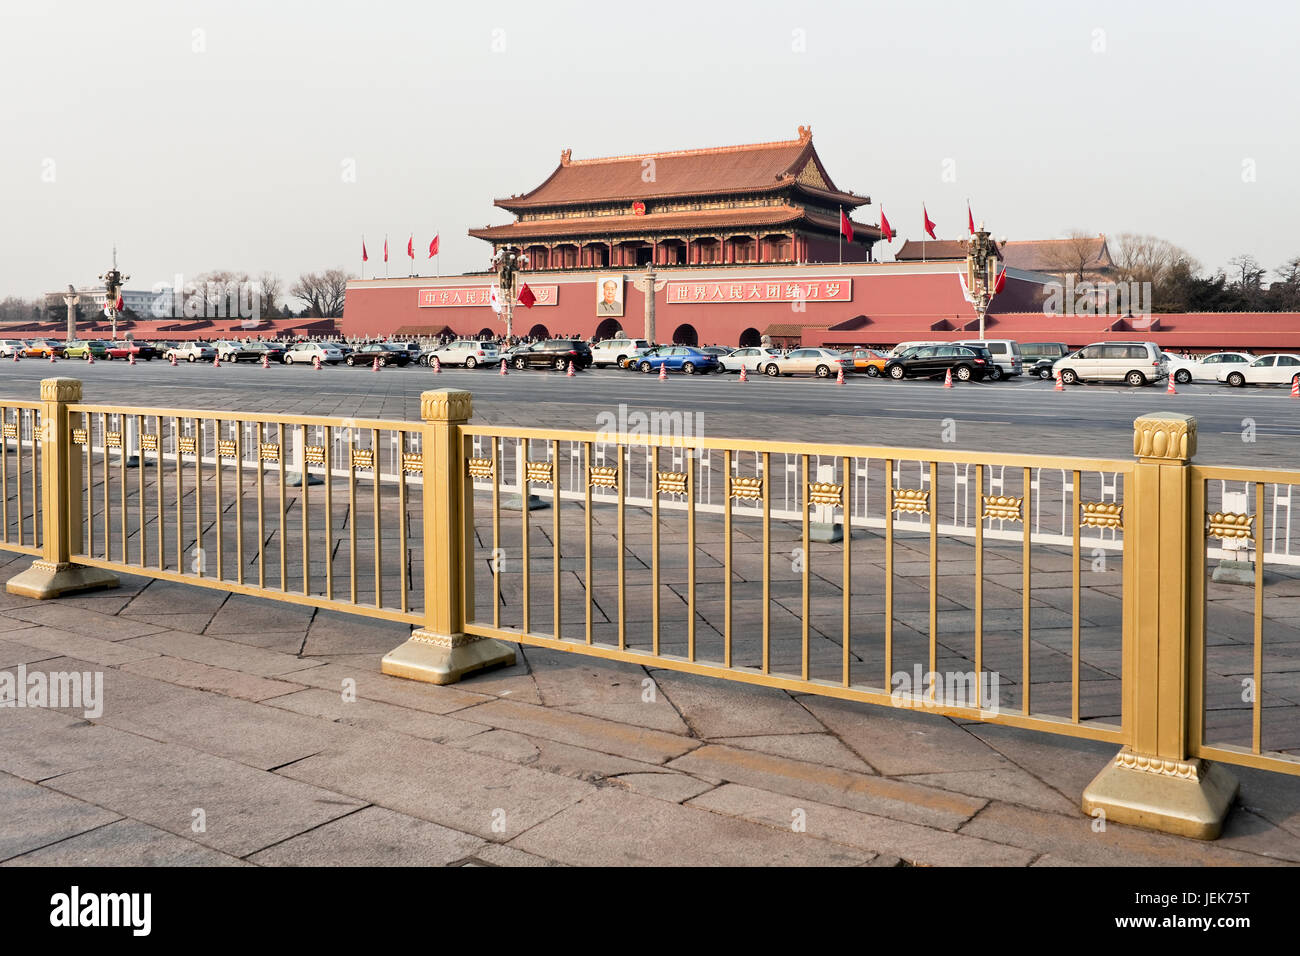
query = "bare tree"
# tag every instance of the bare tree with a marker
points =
(271, 292)
(323, 292)
(1075, 255)
(1144, 258)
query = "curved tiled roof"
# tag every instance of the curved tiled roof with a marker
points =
(755, 167)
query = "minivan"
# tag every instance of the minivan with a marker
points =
(1006, 356)
(1137, 363)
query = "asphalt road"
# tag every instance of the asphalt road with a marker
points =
(1019, 415)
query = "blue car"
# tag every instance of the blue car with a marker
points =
(678, 358)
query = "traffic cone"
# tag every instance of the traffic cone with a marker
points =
(130, 359)
(663, 372)
(1295, 385)
(266, 361)
(743, 376)
(375, 367)
(1060, 386)
(437, 366)
(15, 355)
(173, 360)
(315, 362)
(947, 379)
(90, 358)
(51, 357)
(503, 367)
(839, 379)
(570, 373)
(216, 361)
(1171, 390)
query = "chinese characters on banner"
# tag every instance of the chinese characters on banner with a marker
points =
(455, 296)
(767, 290)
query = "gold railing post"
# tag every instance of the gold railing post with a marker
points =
(53, 573)
(1153, 781)
(440, 652)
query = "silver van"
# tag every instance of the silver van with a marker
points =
(1006, 357)
(1137, 363)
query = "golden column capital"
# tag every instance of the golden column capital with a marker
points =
(449, 405)
(1164, 436)
(60, 389)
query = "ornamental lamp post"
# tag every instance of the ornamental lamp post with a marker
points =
(981, 271)
(507, 262)
(113, 281)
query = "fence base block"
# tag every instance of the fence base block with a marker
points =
(1185, 797)
(45, 580)
(437, 659)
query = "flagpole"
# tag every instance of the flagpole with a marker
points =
(385, 255)
(839, 241)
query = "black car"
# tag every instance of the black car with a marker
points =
(928, 361)
(1041, 368)
(385, 352)
(553, 353)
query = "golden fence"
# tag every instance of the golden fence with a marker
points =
(945, 581)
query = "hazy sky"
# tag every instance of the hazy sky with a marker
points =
(216, 135)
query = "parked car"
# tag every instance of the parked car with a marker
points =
(751, 359)
(617, 351)
(1207, 369)
(143, 351)
(254, 352)
(43, 348)
(814, 361)
(1006, 356)
(1279, 368)
(191, 352)
(902, 347)
(1032, 353)
(556, 353)
(869, 361)
(467, 352)
(78, 349)
(343, 347)
(718, 351)
(303, 353)
(678, 358)
(413, 349)
(966, 362)
(10, 347)
(1137, 363)
(385, 352)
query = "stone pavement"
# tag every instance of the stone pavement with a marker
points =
(226, 738)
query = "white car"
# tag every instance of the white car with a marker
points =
(750, 359)
(467, 352)
(303, 353)
(191, 352)
(10, 347)
(823, 363)
(1186, 370)
(1281, 368)
(616, 352)
(227, 350)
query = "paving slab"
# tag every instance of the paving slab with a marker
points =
(219, 680)
(67, 617)
(221, 653)
(825, 749)
(375, 715)
(33, 816)
(613, 690)
(714, 708)
(617, 828)
(912, 843)
(125, 843)
(373, 837)
(542, 754)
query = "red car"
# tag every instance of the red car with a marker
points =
(143, 351)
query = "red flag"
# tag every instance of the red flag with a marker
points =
(846, 227)
(526, 297)
(118, 304)
(1000, 282)
(886, 232)
(433, 246)
(410, 246)
(929, 226)
(364, 257)
(385, 248)
(970, 220)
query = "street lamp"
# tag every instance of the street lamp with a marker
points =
(981, 271)
(113, 281)
(507, 262)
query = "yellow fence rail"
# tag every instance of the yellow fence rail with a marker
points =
(939, 580)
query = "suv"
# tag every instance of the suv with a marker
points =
(617, 351)
(1137, 363)
(927, 361)
(1038, 357)
(555, 353)
(470, 353)
(303, 353)
(1006, 356)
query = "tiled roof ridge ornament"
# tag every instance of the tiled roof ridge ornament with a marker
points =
(805, 134)
(565, 156)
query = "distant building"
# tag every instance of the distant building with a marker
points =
(142, 302)
(1085, 258)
